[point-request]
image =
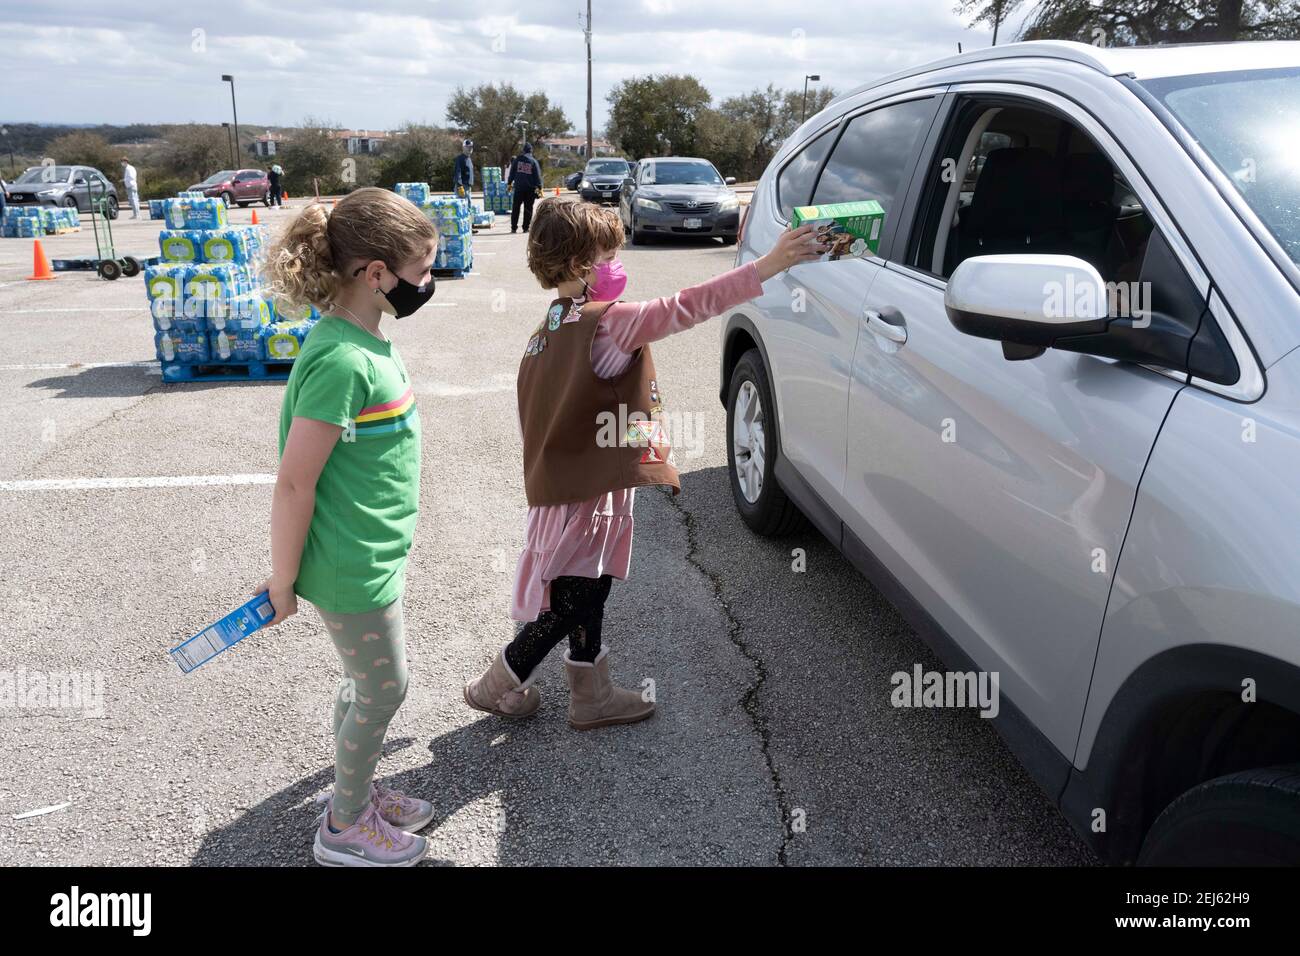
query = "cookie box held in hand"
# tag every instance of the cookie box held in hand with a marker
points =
(851, 230)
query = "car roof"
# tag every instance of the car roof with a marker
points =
(1140, 62)
(674, 159)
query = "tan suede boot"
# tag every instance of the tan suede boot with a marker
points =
(594, 701)
(500, 692)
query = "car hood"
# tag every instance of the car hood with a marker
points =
(35, 187)
(698, 193)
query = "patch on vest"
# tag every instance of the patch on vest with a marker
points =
(535, 344)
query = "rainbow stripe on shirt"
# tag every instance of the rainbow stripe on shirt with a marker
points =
(394, 416)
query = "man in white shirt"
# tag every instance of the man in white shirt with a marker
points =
(132, 190)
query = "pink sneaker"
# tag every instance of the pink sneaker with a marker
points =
(399, 810)
(371, 841)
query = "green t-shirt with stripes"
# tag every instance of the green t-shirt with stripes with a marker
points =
(368, 494)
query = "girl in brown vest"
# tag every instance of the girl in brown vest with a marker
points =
(590, 410)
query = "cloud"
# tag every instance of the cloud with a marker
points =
(393, 61)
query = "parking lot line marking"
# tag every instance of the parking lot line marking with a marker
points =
(44, 366)
(86, 484)
(139, 308)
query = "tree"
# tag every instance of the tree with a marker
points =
(491, 116)
(419, 154)
(727, 143)
(771, 115)
(85, 149)
(1129, 22)
(194, 152)
(314, 156)
(656, 115)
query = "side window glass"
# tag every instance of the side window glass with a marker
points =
(795, 183)
(875, 154)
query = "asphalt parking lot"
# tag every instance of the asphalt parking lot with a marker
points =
(775, 741)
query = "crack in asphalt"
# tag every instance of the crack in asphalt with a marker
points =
(749, 702)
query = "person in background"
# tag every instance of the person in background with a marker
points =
(274, 175)
(463, 175)
(132, 187)
(526, 179)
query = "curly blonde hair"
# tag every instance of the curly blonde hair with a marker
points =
(566, 238)
(310, 261)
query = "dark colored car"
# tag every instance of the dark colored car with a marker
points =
(603, 179)
(571, 181)
(237, 186)
(62, 186)
(678, 196)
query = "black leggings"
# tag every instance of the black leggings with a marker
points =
(577, 610)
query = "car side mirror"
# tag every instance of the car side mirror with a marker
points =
(730, 180)
(1026, 301)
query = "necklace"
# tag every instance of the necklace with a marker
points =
(352, 316)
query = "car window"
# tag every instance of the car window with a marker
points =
(795, 183)
(1247, 122)
(647, 173)
(875, 154)
(45, 174)
(685, 174)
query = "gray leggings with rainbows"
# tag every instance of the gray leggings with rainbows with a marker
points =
(372, 650)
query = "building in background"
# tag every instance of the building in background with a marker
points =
(361, 141)
(268, 144)
(577, 145)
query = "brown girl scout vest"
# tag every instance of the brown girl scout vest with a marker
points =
(585, 435)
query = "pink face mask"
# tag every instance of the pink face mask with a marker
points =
(609, 283)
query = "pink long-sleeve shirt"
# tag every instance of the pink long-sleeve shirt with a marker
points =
(594, 537)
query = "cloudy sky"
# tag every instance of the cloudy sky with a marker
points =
(378, 63)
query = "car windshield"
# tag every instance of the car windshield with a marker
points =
(685, 174)
(1249, 124)
(220, 177)
(608, 168)
(45, 174)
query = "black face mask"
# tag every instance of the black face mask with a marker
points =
(404, 297)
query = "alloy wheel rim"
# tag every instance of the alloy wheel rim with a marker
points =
(749, 441)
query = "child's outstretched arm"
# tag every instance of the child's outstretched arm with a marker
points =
(306, 449)
(633, 324)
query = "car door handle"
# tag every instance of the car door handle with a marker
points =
(887, 323)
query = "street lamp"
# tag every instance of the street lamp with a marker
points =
(803, 114)
(231, 143)
(227, 78)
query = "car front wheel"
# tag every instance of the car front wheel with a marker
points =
(226, 198)
(70, 201)
(751, 451)
(1250, 818)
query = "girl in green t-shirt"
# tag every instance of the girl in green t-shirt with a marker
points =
(347, 492)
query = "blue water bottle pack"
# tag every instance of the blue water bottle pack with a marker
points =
(227, 632)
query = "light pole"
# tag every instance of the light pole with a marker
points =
(231, 143)
(586, 31)
(803, 114)
(227, 78)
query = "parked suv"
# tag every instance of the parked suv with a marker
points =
(237, 186)
(72, 186)
(678, 196)
(1057, 418)
(603, 179)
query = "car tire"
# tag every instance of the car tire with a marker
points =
(752, 442)
(226, 198)
(728, 240)
(1250, 818)
(111, 209)
(71, 202)
(266, 198)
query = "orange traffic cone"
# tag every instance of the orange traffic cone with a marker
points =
(40, 263)
(284, 194)
(255, 222)
(557, 190)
